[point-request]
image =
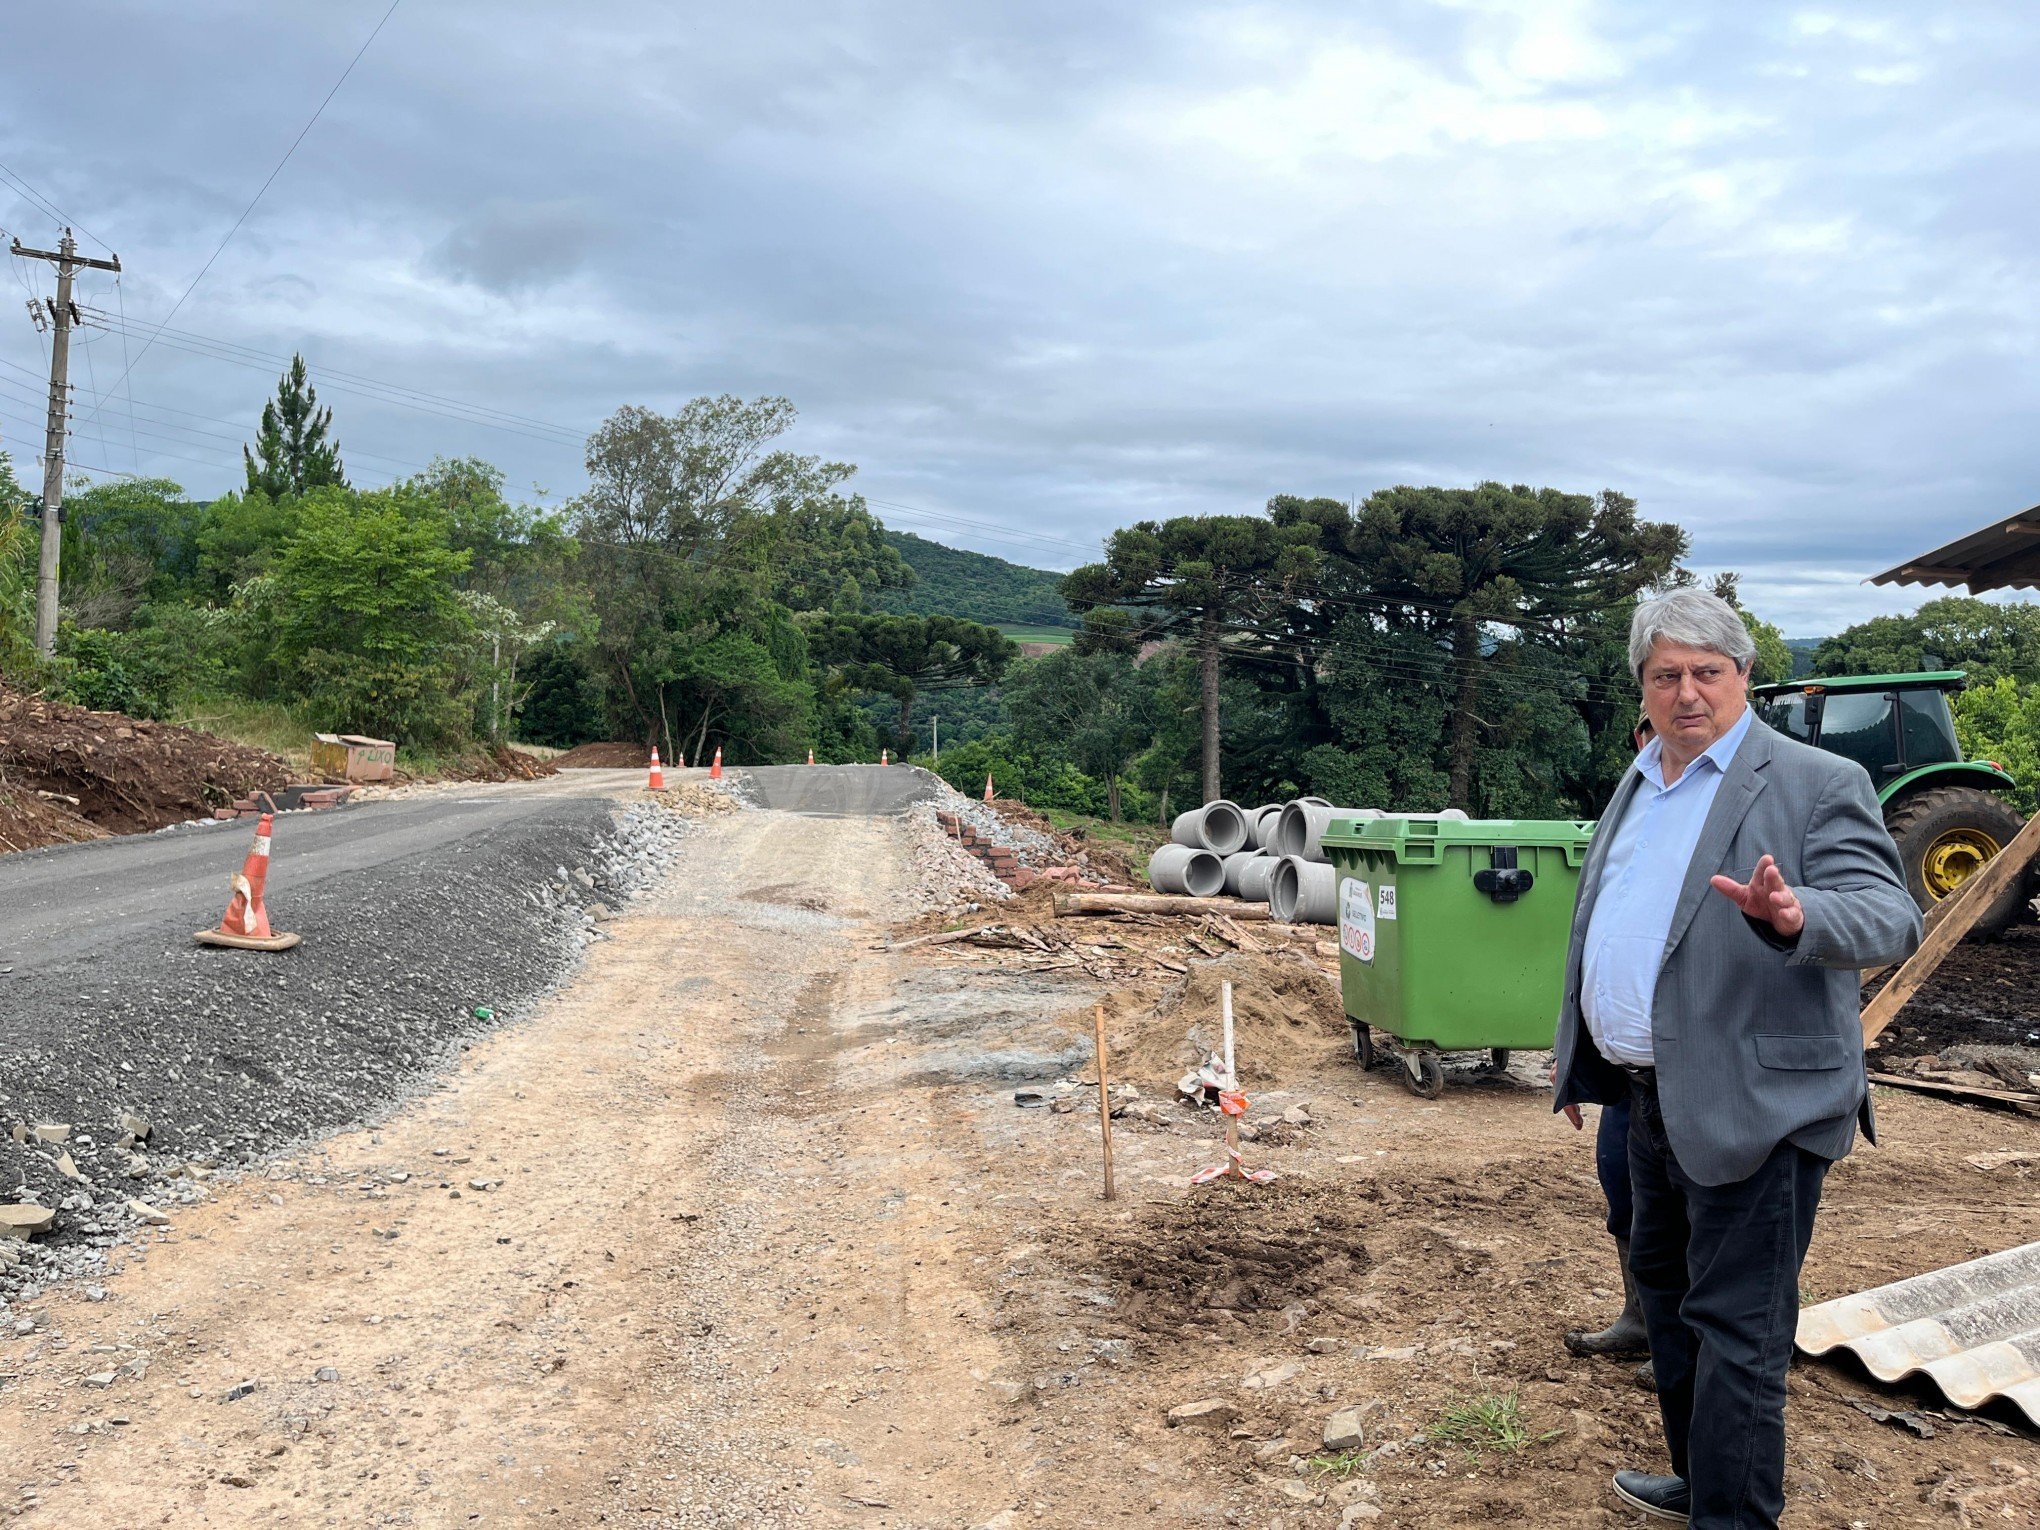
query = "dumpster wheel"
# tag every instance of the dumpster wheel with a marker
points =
(1498, 1060)
(1363, 1047)
(1422, 1073)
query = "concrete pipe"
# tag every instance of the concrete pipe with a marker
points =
(1254, 878)
(1236, 867)
(1303, 892)
(1219, 826)
(1261, 826)
(1301, 828)
(1186, 869)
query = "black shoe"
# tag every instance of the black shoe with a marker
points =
(1646, 1376)
(1625, 1338)
(1659, 1497)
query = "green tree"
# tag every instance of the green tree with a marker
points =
(127, 542)
(294, 450)
(830, 554)
(563, 703)
(239, 536)
(361, 613)
(1982, 637)
(676, 540)
(1091, 709)
(17, 575)
(1464, 565)
(2000, 720)
(1223, 584)
(904, 655)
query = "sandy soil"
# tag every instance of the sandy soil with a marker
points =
(745, 1229)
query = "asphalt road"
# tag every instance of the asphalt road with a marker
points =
(838, 791)
(70, 901)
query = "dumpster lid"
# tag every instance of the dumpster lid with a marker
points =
(358, 740)
(1423, 838)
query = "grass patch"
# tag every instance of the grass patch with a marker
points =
(1057, 635)
(1491, 1424)
(257, 724)
(1136, 841)
(1337, 1466)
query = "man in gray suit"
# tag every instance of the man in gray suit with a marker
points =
(1734, 887)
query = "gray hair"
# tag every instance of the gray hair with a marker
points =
(1692, 619)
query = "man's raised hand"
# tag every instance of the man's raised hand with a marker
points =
(1766, 897)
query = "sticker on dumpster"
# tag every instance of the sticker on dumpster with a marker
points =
(1384, 901)
(1356, 922)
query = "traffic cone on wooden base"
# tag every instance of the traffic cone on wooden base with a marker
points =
(715, 770)
(245, 926)
(657, 782)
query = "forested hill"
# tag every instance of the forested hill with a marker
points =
(952, 582)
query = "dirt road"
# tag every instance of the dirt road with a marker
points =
(743, 1228)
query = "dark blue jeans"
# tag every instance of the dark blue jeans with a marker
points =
(1611, 1163)
(1717, 1272)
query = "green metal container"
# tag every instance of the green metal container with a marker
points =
(1452, 934)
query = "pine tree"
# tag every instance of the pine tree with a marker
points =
(293, 451)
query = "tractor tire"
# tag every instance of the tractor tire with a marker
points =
(1945, 833)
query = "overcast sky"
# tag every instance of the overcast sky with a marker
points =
(1044, 269)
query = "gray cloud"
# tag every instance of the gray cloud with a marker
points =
(1041, 270)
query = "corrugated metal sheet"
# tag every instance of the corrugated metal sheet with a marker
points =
(2004, 555)
(1974, 1328)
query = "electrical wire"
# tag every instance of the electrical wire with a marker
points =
(264, 187)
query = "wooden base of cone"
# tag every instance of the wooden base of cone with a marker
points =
(246, 942)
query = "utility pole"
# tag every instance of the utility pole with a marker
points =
(63, 315)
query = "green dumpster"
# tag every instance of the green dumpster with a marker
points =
(1452, 933)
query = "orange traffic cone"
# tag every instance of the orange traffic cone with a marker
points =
(885, 757)
(811, 757)
(657, 783)
(245, 926)
(988, 786)
(715, 770)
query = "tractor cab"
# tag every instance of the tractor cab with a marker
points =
(1946, 814)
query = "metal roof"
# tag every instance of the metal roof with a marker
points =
(1941, 679)
(2004, 555)
(1973, 1328)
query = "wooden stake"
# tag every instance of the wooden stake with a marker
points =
(1067, 904)
(1970, 900)
(1104, 1100)
(1232, 1077)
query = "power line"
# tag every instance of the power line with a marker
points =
(264, 187)
(48, 208)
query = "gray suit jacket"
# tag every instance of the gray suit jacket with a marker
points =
(1758, 1039)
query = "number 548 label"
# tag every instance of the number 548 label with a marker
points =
(1384, 902)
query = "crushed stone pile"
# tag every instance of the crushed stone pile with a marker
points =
(126, 775)
(228, 1058)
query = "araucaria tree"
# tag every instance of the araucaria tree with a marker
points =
(294, 451)
(905, 655)
(1220, 583)
(1461, 566)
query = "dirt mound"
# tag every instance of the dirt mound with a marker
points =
(1249, 1251)
(1986, 993)
(502, 764)
(1287, 1022)
(29, 820)
(603, 757)
(128, 776)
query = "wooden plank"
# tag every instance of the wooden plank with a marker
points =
(1067, 904)
(1969, 902)
(1956, 1091)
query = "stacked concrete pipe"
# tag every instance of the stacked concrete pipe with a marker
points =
(1219, 826)
(1187, 869)
(1236, 866)
(1303, 891)
(1254, 878)
(1261, 826)
(1300, 831)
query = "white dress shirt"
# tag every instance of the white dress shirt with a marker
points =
(1640, 883)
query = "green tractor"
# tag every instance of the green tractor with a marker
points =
(1947, 815)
